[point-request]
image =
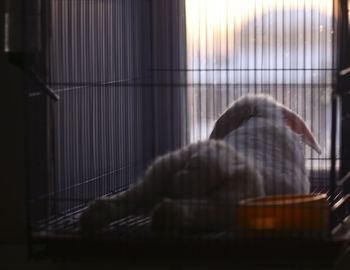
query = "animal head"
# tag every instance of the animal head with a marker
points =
(264, 107)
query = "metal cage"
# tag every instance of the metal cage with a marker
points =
(113, 84)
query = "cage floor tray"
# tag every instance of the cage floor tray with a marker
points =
(288, 216)
(132, 235)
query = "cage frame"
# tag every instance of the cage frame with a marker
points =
(39, 168)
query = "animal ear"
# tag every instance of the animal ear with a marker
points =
(230, 120)
(297, 124)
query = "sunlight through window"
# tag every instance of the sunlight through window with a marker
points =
(283, 48)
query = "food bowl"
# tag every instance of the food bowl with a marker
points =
(285, 213)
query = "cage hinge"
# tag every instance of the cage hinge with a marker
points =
(43, 86)
(21, 60)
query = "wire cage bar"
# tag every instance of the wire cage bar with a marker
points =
(114, 84)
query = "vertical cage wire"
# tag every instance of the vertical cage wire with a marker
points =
(137, 79)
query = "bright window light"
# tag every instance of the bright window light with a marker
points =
(281, 47)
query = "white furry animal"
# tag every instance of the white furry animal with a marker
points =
(198, 186)
(268, 134)
(181, 186)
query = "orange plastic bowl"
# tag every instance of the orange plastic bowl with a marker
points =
(285, 213)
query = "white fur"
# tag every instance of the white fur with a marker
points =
(205, 172)
(258, 155)
(273, 148)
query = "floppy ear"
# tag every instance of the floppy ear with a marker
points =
(230, 120)
(297, 124)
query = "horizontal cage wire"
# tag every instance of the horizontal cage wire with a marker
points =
(140, 88)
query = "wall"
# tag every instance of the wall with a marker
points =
(12, 183)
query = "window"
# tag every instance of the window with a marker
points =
(283, 48)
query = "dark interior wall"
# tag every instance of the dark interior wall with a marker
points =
(12, 180)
